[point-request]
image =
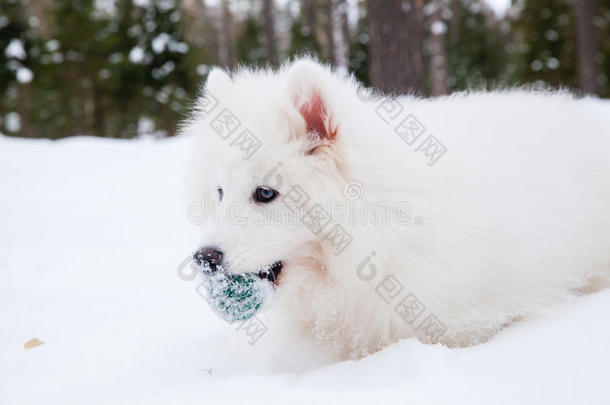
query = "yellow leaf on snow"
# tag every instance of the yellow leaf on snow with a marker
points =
(32, 343)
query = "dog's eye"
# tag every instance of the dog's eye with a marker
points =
(220, 193)
(264, 194)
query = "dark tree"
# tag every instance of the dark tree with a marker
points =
(438, 52)
(225, 51)
(545, 43)
(344, 10)
(210, 34)
(396, 62)
(301, 42)
(250, 47)
(476, 50)
(603, 29)
(359, 48)
(586, 46)
(16, 65)
(309, 13)
(269, 24)
(331, 48)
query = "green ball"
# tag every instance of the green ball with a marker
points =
(237, 297)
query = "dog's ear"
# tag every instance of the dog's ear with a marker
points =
(307, 87)
(218, 81)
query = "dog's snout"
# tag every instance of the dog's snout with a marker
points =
(208, 257)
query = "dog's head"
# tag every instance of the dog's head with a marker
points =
(271, 147)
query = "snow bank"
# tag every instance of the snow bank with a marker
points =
(93, 234)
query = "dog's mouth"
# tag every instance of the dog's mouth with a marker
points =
(271, 272)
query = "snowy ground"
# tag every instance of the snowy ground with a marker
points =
(91, 234)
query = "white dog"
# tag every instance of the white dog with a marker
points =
(377, 219)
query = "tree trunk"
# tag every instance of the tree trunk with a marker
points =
(345, 31)
(270, 43)
(310, 16)
(586, 46)
(330, 33)
(98, 113)
(39, 9)
(455, 21)
(396, 63)
(225, 52)
(210, 35)
(25, 111)
(438, 51)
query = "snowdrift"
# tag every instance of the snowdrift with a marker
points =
(92, 234)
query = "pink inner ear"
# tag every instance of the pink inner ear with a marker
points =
(316, 117)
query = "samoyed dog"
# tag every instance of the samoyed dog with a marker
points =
(377, 219)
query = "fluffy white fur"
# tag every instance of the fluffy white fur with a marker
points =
(515, 215)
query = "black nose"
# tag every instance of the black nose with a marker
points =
(208, 257)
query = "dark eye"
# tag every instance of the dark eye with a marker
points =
(220, 193)
(264, 194)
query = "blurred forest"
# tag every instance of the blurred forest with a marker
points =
(122, 68)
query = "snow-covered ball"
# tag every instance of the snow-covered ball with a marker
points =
(237, 297)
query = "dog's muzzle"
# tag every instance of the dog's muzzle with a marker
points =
(272, 272)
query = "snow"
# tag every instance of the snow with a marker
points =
(136, 55)
(94, 234)
(15, 49)
(52, 45)
(3, 21)
(499, 6)
(24, 75)
(160, 42)
(202, 69)
(164, 41)
(438, 28)
(12, 122)
(146, 126)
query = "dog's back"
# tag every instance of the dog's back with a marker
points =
(515, 212)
